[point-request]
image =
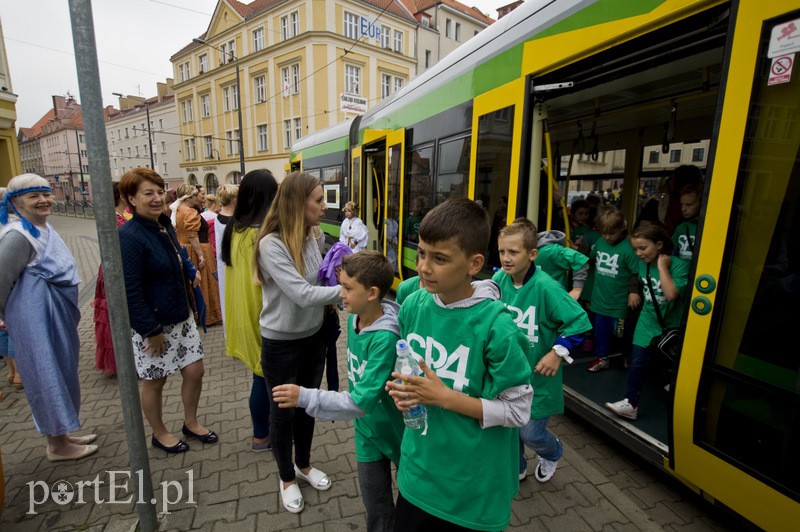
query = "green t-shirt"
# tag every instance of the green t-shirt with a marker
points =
(557, 260)
(543, 311)
(615, 264)
(406, 288)
(458, 471)
(648, 327)
(681, 240)
(370, 361)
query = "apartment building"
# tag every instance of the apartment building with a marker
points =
(444, 25)
(10, 162)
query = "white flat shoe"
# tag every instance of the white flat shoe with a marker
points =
(83, 440)
(291, 498)
(87, 450)
(315, 477)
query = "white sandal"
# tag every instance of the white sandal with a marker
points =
(315, 477)
(291, 498)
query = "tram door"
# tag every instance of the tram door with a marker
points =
(737, 395)
(496, 157)
(395, 170)
(373, 193)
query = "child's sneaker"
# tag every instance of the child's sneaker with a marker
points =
(545, 470)
(598, 364)
(623, 409)
(523, 475)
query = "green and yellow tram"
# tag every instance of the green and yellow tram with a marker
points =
(557, 80)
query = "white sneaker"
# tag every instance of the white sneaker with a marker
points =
(523, 475)
(545, 470)
(291, 498)
(623, 409)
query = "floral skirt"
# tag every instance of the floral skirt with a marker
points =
(182, 346)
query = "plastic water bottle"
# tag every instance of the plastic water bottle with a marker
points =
(406, 365)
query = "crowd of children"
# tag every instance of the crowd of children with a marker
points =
(491, 352)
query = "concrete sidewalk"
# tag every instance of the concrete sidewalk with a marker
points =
(228, 487)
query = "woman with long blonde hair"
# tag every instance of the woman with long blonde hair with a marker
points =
(293, 352)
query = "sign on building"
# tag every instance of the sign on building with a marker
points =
(352, 104)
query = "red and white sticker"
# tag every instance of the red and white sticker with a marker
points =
(781, 70)
(785, 39)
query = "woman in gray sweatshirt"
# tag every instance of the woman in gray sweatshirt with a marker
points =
(293, 352)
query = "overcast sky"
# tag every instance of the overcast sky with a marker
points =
(135, 39)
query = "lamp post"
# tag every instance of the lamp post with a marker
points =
(238, 102)
(149, 127)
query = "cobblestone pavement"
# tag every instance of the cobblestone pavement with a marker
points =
(598, 486)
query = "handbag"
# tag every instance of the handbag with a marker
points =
(668, 343)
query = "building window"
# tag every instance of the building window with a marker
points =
(183, 71)
(350, 25)
(398, 84)
(163, 146)
(205, 105)
(233, 142)
(427, 58)
(386, 83)
(209, 147)
(298, 128)
(203, 63)
(653, 159)
(161, 124)
(186, 110)
(165, 169)
(258, 39)
(291, 79)
(675, 156)
(81, 138)
(290, 25)
(448, 28)
(458, 31)
(227, 52)
(352, 80)
(287, 133)
(126, 133)
(398, 41)
(285, 27)
(385, 32)
(698, 154)
(295, 79)
(189, 147)
(230, 97)
(260, 88)
(294, 23)
(262, 137)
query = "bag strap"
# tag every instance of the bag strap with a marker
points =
(655, 300)
(689, 239)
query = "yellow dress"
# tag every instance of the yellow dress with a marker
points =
(243, 302)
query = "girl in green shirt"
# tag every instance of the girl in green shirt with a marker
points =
(668, 277)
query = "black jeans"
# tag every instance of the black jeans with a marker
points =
(410, 518)
(298, 362)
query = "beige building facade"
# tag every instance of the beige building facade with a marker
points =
(10, 161)
(444, 25)
(303, 65)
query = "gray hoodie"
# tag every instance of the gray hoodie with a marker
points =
(328, 405)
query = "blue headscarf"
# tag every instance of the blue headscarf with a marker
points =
(6, 201)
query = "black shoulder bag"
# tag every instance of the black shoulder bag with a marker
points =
(667, 343)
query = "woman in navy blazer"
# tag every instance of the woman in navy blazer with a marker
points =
(158, 284)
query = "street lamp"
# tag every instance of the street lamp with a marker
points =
(238, 100)
(149, 128)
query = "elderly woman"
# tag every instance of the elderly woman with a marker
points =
(39, 309)
(193, 234)
(160, 303)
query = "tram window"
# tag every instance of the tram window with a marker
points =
(393, 203)
(493, 171)
(750, 398)
(333, 183)
(452, 173)
(418, 190)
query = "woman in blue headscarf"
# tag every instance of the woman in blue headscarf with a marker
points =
(39, 309)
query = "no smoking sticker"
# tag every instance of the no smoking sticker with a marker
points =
(781, 69)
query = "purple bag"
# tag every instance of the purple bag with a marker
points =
(333, 260)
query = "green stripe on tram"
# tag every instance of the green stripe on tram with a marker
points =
(331, 146)
(600, 12)
(330, 229)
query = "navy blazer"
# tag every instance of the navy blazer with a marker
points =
(154, 271)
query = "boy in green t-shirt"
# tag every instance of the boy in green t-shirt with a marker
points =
(372, 333)
(461, 471)
(684, 235)
(554, 324)
(557, 260)
(613, 293)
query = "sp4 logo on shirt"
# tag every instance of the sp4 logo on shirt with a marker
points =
(686, 249)
(607, 264)
(657, 288)
(447, 366)
(355, 368)
(526, 321)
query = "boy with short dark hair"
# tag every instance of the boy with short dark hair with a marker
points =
(684, 235)
(372, 333)
(463, 471)
(554, 324)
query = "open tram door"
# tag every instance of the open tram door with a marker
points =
(393, 201)
(736, 418)
(496, 172)
(372, 192)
